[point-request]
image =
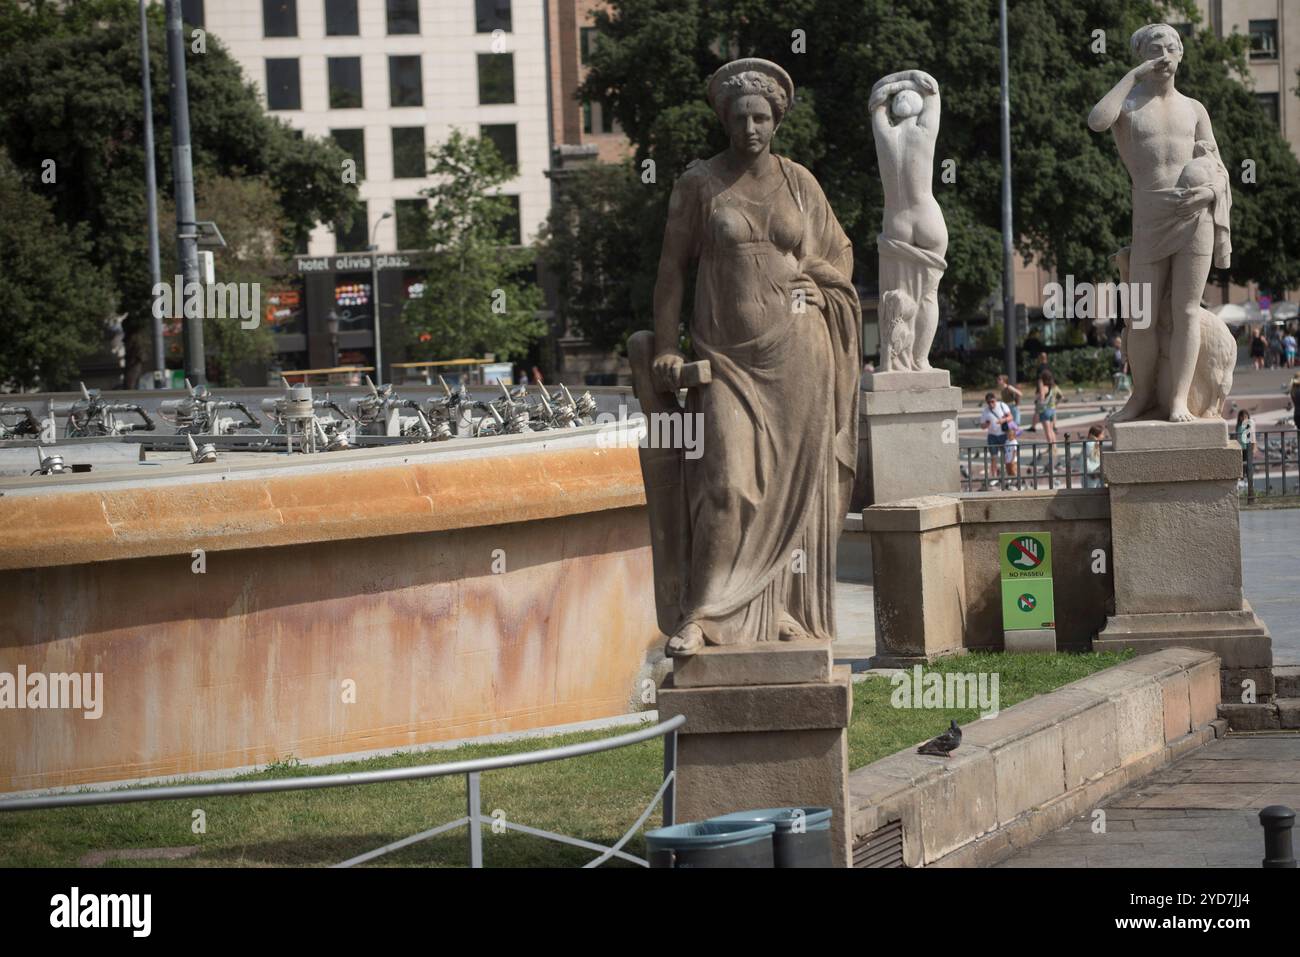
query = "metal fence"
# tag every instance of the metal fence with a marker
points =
(1273, 470)
(472, 770)
(1066, 463)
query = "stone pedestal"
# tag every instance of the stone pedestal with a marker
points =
(920, 580)
(1176, 545)
(766, 726)
(907, 437)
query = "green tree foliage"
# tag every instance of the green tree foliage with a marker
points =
(70, 73)
(52, 299)
(480, 292)
(1072, 193)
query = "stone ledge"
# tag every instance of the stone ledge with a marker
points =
(222, 512)
(935, 401)
(1171, 465)
(923, 514)
(1020, 771)
(1160, 436)
(784, 707)
(906, 381)
(1056, 505)
(767, 663)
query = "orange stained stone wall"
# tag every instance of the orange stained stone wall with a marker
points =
(247, 662)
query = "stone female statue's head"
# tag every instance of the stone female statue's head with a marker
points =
(906, 103)
(750, 97)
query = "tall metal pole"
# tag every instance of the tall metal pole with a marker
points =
(1008, 263)
(183, 172)
(151, 190)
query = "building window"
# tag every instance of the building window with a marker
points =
(345, 82)
(491, 15)
(403, 16)
(341, 18)
(586, 38)
(279, 18)
(411, 222)
(505, 138)
(408, 152)
(1269, 104)
(282, 90)
(1263, 39)
(192, 12)
(596, 118)
(1184, 30)
(355, 236)
(496, 78)
(509, 226)
(353, 142)
(352, 299)
(404, 86)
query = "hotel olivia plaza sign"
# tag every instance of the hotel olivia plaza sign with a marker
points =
(355, 262)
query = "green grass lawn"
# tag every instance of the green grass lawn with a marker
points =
(595, 798)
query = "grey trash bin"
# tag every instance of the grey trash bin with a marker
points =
(802, 836)
(711, 844)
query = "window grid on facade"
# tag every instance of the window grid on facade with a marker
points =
(344, 82)
(403, 16)
(341, 18)
(408, 152)
(1271, 105)
(1263, 39)
(279, 18)
(404, 83)
(411, 222)
(355, 236)
(505, 138)
(282, 87)
(353, 142)
(491, 15)
(192, 12)
(496, 78)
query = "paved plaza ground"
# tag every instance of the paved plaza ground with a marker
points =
(1201, 811)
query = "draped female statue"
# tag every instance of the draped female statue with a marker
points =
(745, 534)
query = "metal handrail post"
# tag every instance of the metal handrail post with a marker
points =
(670, 766)
(474, 812)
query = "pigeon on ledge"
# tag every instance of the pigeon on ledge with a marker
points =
(944, 743)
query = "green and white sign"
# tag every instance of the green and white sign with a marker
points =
(1027, 599)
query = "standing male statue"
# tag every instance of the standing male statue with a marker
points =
(1181, 204)
(904, 111)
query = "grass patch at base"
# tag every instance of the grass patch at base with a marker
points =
(594, 798)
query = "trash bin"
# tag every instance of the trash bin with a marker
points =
(711, 844)
(802, 836)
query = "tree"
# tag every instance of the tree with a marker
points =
(1072, 194)
(480, 295)
(52, 299)
(71, 79)
(254, 225)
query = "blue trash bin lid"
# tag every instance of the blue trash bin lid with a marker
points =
(704, 835)
(783, 818)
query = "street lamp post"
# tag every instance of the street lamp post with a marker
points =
(374, 296)
(151, 194)
(1008, 263)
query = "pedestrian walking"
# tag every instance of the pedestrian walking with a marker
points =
(1288, 349)
(1011, 396)
(1258, 349)
(1047, 396)
(1246, 439)
(994, 419)
(1092, 457)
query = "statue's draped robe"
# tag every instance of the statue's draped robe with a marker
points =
(767, 498)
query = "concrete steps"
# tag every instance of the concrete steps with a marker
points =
(1278, 711)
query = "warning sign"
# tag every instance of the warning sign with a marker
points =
(1026, 574)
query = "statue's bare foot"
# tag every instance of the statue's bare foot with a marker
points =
(790, 630)
(1179, 413)
(922, 365)
(1132, 411)
(686, 642)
